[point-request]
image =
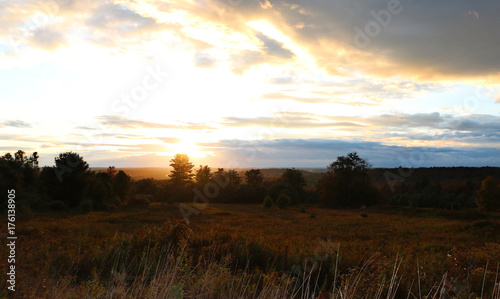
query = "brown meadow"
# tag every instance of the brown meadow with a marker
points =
(247, 251)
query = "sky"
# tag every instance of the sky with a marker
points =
(252, 83)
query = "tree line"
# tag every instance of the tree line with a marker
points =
(71, 184)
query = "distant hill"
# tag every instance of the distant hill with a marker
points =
(437, 174)
(138, 173)
(313, 175)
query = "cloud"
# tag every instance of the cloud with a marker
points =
(420, 120)
(394, 122)
(204, 60)
(347, 91)
(265, 4)
(273, 47)
(169, 139)
(47, 39)
(322, 152)
(292, 97)
(288, 121)
(15, 124)
(434, 120)
(120, 19)
(473, 13)
(243, 60)
(126, 123)
(425, 40)
(475, 122)
(433, 128)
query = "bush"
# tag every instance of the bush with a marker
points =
(488, 196)
(171, 200)
(268, 202)
(283, 201)
(140, 200)
(25, 211)
(85, 206)
(57, 205)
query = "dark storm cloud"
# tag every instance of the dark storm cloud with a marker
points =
(458, 38)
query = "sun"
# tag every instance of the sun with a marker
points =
(187, 147)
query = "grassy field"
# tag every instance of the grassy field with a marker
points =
(259, 252)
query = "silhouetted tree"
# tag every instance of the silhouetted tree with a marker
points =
(111, 171)
(20, 172)
(204, 175)
(100, 191)
(19, 157)
(147, 186)
(253, 191)
(281, 187)
(292, 182)
(181, 175)
(234, 177)
(8, 157)
(346, 183)
(294, 177)
(220, 173)
(254, 177)
(283, 201)
(68, 179)
(489, 195)
(121, 184)
(268, 202)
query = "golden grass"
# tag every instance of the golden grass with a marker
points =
(56, 247)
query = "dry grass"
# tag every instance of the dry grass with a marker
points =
(247, 251)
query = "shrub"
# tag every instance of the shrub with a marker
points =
(283, 201)
(171, 200)
(488, 196)
(57, 205)
(85, 206)
(268, 202)
(25, 211)
(140, 200)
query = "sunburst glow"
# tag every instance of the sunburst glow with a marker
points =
(188, 147)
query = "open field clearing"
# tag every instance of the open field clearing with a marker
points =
(79, 254)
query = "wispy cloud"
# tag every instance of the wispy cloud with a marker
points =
(273, 47)
(420, 79)
(126, 123)
(288, 121)
(15, 124)
(47, 38)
